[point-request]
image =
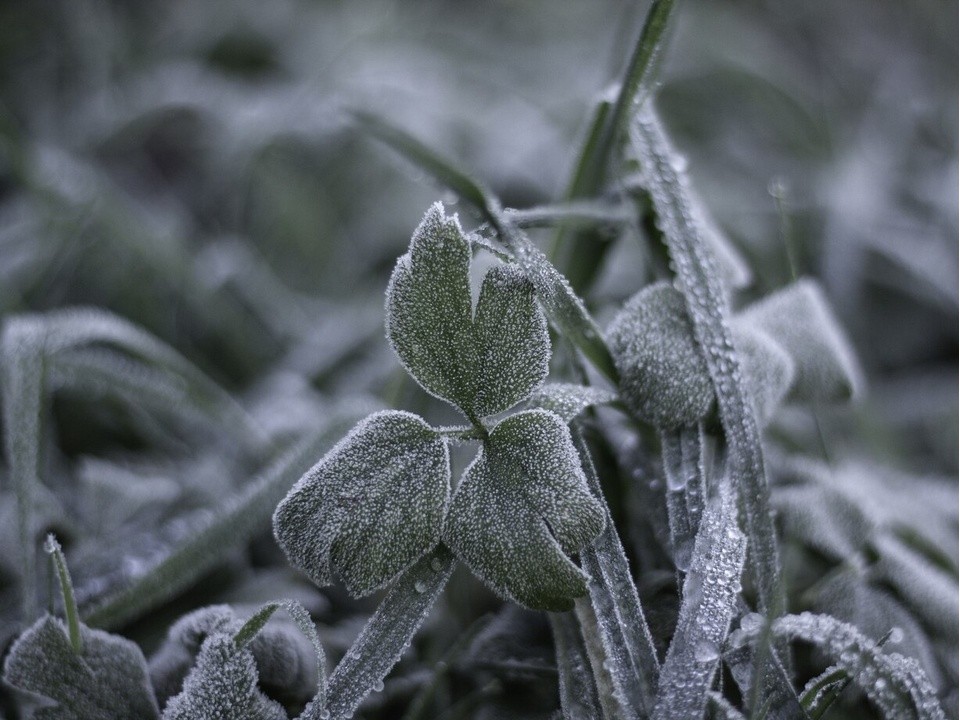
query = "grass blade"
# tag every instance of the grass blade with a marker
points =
(631, 655)
(709, 600)
(578, 691)
(703, 292)
(22, 382)
(388, 633)
(685, 474)
(579, 254)
(246, 515)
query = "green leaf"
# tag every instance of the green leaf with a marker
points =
(523, 505)
(223, 684)
(107, 681)
(568, 399)
(565, 310)
(485, 363)
(512, 345)
(799, 318)
(429, 314)
(663, 376)
(371, 507)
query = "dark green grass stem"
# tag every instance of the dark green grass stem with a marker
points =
(579, 254)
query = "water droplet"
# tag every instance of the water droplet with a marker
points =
(436, 565)
(378, 686)
(420, 586)
(705, 651)
(751, 623)
(896, 635)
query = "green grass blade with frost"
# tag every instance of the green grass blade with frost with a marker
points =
(579, 255)
(710, 594)
(388, 633)
(895, 684)
(706, 303)
(631, 656)
(243, 517)
(578, 692)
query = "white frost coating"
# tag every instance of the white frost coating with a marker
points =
(106, 681)
(523, 504)
(222, 684)
(663, 376)
(568, 399)
(371, 507)
(799, 318)
(894, 683)
(483, 362)
(710, 594)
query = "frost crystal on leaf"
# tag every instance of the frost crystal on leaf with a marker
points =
(663, 377)
(107, 681)
(371, 507)
(483, 363)
(522, 506)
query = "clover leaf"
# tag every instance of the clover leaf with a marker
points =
(223, 684)
(523, 506)
(371, 507)
(106, 680)
(484, 363)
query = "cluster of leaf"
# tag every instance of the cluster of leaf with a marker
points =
(195, 242)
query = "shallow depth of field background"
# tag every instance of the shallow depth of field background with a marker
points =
(193, 168)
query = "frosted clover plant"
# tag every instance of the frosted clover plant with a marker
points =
(380, 500)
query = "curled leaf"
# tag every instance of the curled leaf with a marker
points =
(663, 376)
(524, 505)
(371, 507)
(799, 318)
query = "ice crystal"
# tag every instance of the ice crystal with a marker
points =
(371, 507)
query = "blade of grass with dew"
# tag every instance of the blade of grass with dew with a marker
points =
(701, 286)
(822, 691)
(562, 306)
(22, 381)
(722, 709)
(686, 488)
(246, 515)
(579, 255)
(578, 692)
(774, 698)
(894, 683)
(388, 633)
(75, 327)
(709, 601)
(631, 656)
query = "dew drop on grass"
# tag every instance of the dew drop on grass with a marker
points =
(705, 651)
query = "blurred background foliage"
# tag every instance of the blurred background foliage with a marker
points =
(193, 167)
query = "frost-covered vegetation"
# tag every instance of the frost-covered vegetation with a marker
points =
(370, 359)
